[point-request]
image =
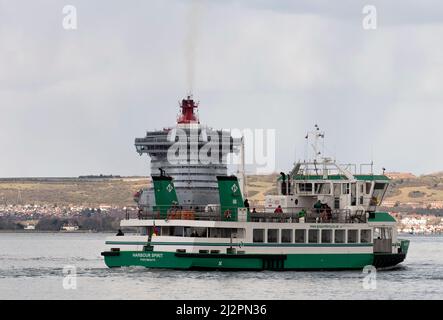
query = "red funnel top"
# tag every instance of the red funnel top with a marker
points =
(188, 115)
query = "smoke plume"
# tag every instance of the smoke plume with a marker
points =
(192, 29)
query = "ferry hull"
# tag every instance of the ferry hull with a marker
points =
(189, 261)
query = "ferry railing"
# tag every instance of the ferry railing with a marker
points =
(258, 215)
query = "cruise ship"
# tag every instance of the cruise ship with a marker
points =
(195, 180)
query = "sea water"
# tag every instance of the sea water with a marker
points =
(69, 266)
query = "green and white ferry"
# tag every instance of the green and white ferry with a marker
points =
(323, 217)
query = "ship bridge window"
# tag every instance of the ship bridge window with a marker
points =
(258, 235)
(380, 186)
(305, 187)
(382, 233)
(352, 236)
(346, 188)
(379, 191)
(353, 194)
(272, 235)
(300, 236)
(337, 187)
(368, 186)
(326, 236)
(313, 236)
(340, 236)
(322, 188)
(365, 236)
(286, 236)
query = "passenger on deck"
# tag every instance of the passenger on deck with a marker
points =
(318, 206)
(278, 210)
(301, 216)
(326, 213)
(120, 233)
(246, 203)
(323, 216)
(253, 210)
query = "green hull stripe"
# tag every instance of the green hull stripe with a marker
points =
(169, 260)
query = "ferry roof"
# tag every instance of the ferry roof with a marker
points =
(382, 217)
(362, 177)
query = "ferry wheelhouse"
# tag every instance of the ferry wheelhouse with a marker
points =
(323, 217)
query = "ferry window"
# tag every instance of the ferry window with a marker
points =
(322, 188)
(286, 236)
(340, 236)
(368, 187)
(379, 186)
(336, 202)
(166, 231)
(300, 236)
(365, 236)
(223, 232)
(386, 233)
(313, 236)
(305, 187)
(353, 194)
(196, 232)
(377, 233)
(326, 236)
(214, 233)
(382, 233)
(346, 189)
(337, 189)
(226, 232)
(272, 235)
(178, 231)
(239, 233)
(258, 235)
(379, 191)
(352, 236)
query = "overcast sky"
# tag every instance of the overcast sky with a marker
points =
(72, 101)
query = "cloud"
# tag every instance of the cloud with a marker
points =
(72, 102)
(391, 13)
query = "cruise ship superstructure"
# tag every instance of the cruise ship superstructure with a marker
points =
(191, 153)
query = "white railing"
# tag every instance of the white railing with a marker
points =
(257, 215)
